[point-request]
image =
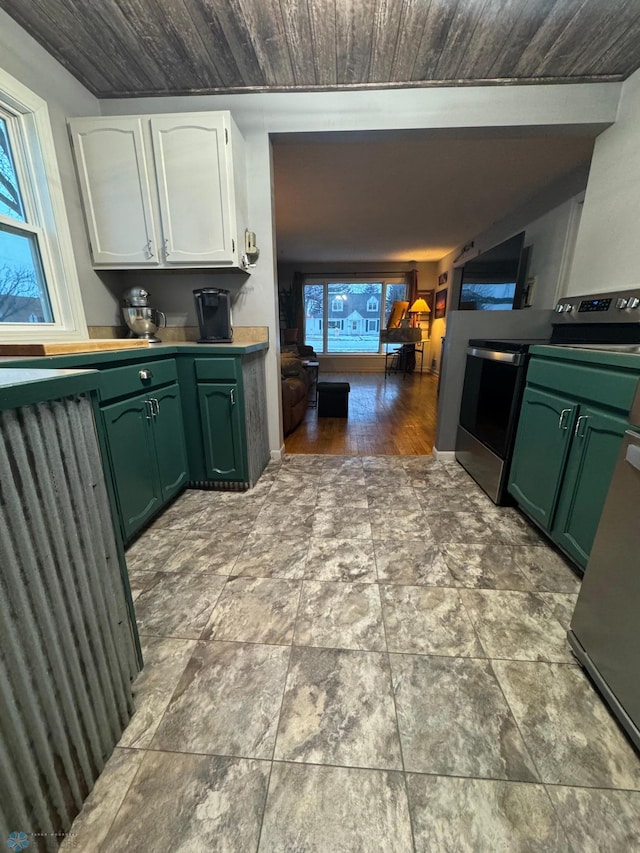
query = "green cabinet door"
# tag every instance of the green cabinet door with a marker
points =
(133, 460)
(171, 450)
(545, 430)
(221, 430)
(597, 440)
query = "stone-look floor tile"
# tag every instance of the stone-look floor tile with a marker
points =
(287, 493)
(151, 551)
(230, 519)
(597, 821)
(91, 826)
(566, 726)
(412, 562)
(484, 566)
(404, 497)
(340, 616)
(455, 498)
(227, 701)
(210, 804)
(165, 660)
(181, 515)
(338, 709)
(545, 570)
(454, 720)
(562, 605)
(427, 620)
(255, 610)
(139, 581)
(272, 555)
(516, 625)
(482, 816)
(340, 560)
(454, 528)
(201, 551)
(335, 810)
(403, 524)
(510, 527)
(342, 494)
(296, 520)
(382, 463)
(336, 523)
(178, 605)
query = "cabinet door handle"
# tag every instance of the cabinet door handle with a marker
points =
(147, 251)
(149, 409)
(562, 419)
(166, 248)
(155, 407)
(577, 432)
(232, 397)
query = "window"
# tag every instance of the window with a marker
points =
(355, 300)
(39, 290)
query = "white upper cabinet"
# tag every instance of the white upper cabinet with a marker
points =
(162, 191)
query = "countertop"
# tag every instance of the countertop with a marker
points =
(25, 386)
(625, 355)
(90, 359)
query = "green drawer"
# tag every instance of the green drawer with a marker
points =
(142, 376)
(609, 387)
(217, 369)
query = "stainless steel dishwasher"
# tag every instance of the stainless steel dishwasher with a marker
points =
(605, 630)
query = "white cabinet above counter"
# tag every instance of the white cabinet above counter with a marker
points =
(162, 191)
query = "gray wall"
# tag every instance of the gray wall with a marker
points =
(24, 59)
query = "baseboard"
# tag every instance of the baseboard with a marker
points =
(444, 455)
(277, 455)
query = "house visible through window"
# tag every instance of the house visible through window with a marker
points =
(38, 280)
(353, 300)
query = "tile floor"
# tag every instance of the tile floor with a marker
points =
(360, 654)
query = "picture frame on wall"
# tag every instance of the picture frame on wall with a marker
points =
(440, 304)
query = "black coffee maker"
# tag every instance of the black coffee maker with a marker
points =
(213, 307)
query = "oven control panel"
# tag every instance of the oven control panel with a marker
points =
(615, 307)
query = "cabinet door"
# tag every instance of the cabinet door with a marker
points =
(133, 460)
(221, 431)
(115, 187)
(194, 185)
(596, 443)
(542, 443)
(171, 449)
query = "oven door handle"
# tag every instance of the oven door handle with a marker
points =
(494, 355)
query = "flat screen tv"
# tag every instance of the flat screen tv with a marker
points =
(495, 280)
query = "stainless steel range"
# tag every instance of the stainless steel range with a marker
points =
(495, 377)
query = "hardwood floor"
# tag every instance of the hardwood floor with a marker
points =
(396, 417)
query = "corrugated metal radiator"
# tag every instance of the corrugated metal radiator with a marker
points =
(67, 653)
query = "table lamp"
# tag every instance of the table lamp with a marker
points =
(419, 307)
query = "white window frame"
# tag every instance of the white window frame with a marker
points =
(385, 279)
(34, 154)
(337, 305)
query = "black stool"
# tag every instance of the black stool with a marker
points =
(333, 399)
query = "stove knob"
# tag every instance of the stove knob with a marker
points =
(622, 302)
(559, 308)
(567, 307)
(634, 302)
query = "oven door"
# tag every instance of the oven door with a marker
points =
(491, 392)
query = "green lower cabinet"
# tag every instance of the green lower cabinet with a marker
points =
(133, 462)
(148, 454)
(170, 442)
(597, 440)
(221, 430)
(545, 431)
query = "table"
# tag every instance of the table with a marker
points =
(313, 369)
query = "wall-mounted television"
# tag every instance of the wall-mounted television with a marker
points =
(495, 280)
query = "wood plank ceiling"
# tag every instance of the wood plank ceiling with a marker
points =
(121, 48)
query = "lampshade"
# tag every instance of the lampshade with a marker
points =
(419, 307)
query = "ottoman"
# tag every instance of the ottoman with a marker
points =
(333, 399)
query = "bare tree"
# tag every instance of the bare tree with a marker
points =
(16, 285)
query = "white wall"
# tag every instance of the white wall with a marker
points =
(23, 58)
(606, 254)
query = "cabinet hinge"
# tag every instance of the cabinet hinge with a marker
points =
(226, 136)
